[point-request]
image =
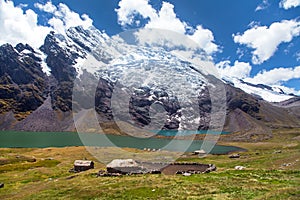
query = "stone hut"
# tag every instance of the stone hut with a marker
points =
(124, 166)
(83, 165)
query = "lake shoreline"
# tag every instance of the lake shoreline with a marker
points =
(22, 139)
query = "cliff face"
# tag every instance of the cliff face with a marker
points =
(22, 81)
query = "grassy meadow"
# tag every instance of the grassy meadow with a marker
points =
(272, 171)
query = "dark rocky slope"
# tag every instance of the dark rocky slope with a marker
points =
(22, 81)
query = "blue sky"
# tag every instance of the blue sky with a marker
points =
(256, 40)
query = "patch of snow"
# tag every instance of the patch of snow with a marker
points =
(26, 51)
(268, 95)
(78, 66)
(43, 63)
(277, 89)
(90, 64)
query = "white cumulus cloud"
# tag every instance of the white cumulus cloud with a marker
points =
(64, 18)
(287, 4)
(265, 40)
(129, 8)
(204, 38)
(165, 18)
(276, 76)
(238, 70)
(48, 7)
(18, 26)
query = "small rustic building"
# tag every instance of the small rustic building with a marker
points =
(124, 166)
(83, 165)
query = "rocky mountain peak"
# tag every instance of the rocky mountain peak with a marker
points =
(60, 57)
(21, 80)
(8, 51)
(21, 67)
(21, 47)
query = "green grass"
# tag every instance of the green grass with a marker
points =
(27, 165)
(265, 176)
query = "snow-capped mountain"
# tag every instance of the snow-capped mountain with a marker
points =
(96, 50)
(153, 74)
(123, 77)
(268, 93)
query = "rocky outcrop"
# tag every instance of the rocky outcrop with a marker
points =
(22, 82)
(61, 60)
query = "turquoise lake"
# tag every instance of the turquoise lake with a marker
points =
(13, 139)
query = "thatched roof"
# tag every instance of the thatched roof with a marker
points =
(122, 163)
(84, 163)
